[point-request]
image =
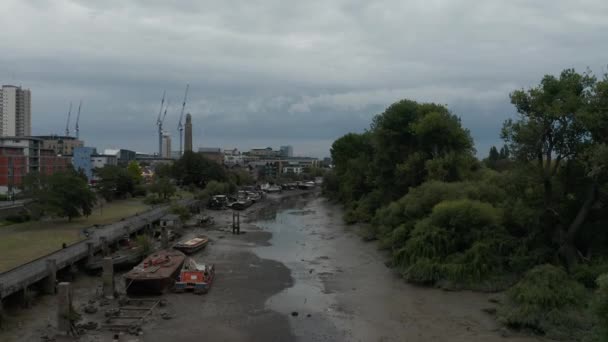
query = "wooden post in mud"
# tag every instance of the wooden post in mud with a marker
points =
(64, 307)
(104, 245)
(164, 237)
(236, 223)
(90, 252)
(108, 278)
(48, 284)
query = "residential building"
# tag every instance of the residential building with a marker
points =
(82, 159)
(286, 151)
(62, 145)
(264, 152)
(166, 146)
(188, 133)
(22, 155)
(15, 111)
(124, 157)
(296, 170)
(100, 160)
(212, 153)
(233, 157)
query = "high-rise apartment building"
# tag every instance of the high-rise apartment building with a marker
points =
(15, 112)
(166, 146)
(286, 151)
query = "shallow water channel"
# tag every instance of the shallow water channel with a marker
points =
(342, 291)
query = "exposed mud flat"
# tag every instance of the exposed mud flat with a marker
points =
(297, 274)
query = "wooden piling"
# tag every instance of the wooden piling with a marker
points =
(108, 278)
(64, 307)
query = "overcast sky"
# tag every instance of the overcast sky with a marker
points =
(277, 72)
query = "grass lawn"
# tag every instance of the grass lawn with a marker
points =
(23, 242)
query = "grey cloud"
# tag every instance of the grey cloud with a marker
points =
(279, 72)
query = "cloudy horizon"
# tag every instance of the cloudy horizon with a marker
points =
(277, 73)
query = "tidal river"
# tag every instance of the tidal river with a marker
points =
(342, 290)
(296, 274)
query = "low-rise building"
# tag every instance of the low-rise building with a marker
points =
(212, 153)
(60, 144)
(22, 155)
(294, 170)
(100, 160)
(123, 157)
(264, 153)
(233, 157)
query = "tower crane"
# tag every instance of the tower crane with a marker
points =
(67, 125)
(159, 123)
(78, 119)
(180, 126)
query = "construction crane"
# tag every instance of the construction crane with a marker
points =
(78, 119)
(159, 123)
(67, 125)
(180, 126)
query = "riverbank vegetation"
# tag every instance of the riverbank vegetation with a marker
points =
(530, 218)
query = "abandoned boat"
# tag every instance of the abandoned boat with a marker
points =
(156, 273)
(194, 276)
(192, 245)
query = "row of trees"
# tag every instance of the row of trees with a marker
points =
(450, 220)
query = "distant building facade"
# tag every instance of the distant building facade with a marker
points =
(100, 160)
(15, 111)
(286, 151)
(22, 155)
(188, 133)
(212, 153)
(264, 152)
(233, 157)
(82, 160)
(166, 146)
(62, 145)
(123, 157)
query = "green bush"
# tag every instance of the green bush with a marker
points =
(152, 200)
(183, 212)
(424, 271)
(600, 305)
(547, 301)
(140, 190)
(145, 243)
(588, 273)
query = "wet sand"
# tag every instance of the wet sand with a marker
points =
(297, 274)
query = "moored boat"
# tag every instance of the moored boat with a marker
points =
(195, 276)
(192, 245)
(156, 273)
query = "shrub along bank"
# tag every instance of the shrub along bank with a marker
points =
(530, 218)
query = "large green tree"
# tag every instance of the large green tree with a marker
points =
(114, 182)
(559, 132)
(194, 168)
(62, 194)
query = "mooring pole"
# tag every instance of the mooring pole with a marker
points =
(64, 307)
(164, 236)
(108, 278)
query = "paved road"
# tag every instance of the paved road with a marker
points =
(34, 271)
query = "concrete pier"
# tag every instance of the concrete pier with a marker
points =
(108, 278)
(64, 307)
(48, 284)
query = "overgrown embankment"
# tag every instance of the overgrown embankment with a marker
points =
(526, 218)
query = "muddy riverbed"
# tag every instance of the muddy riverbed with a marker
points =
(296, 274)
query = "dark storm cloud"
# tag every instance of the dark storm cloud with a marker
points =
(266, 73)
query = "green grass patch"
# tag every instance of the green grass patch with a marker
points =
(24, 242)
